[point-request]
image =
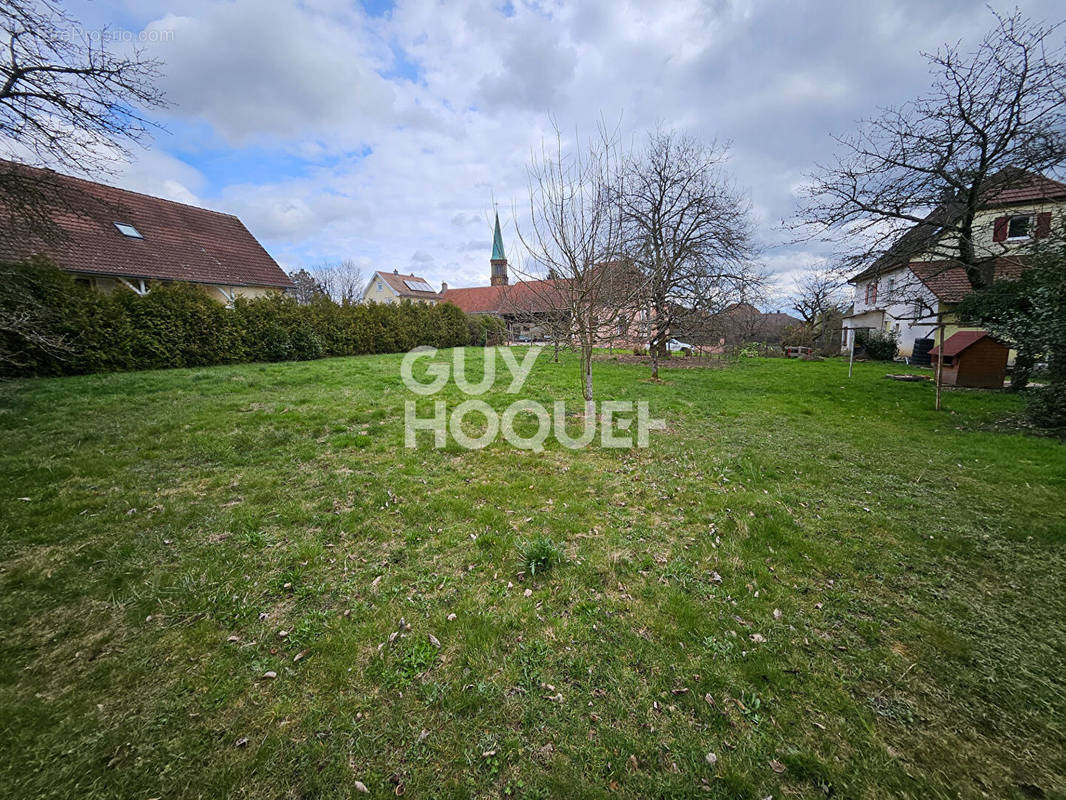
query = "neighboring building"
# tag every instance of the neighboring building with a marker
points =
(911, 288)
(535, 310)
(394, 287)
(110, 237)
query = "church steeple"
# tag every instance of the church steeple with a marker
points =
(498, 260)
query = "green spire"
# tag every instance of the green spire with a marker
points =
(497, 243)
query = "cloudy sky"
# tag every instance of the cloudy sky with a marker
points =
(384, 132)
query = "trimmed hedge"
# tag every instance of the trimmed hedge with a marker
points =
(50, 325)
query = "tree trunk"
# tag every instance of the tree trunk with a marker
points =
(653, 350)
(586, 379)
(556, 356)
(1023, 370)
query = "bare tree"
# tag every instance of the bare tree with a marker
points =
(65, 101)
(819, 300)
(574, 233)
(687, 230)
(990, 119)
(64, 97)
(306, 287)
(344, 280)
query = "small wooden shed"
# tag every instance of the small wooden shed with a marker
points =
(973, 359)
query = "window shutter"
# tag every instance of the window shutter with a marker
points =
(1043, 224)
(999, 229)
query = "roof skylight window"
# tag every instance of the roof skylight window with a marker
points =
(128, 230)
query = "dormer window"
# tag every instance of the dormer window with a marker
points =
(128, 230)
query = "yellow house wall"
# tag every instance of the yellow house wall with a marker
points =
(215, 291)
(984, 229)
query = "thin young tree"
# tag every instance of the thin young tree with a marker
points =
(991, 117)
(687, 230)
(574, 233)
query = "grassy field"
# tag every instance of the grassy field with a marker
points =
(826, 584)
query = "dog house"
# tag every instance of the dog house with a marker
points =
(973, 359)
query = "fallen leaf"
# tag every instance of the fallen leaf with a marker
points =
(758, 638)
(270, 675)
(242, 742)
(777, 766)
(234, 639)
(361, 787)
(300, 656)
(633, 762)
(777, 613)
(711, 759)
(433, 640)
(451, 618)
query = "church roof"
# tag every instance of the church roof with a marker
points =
(497, 243)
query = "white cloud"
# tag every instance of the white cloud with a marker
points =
(406, 128)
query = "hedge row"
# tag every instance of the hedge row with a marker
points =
(50, 325)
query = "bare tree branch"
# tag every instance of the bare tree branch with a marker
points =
(990, 119)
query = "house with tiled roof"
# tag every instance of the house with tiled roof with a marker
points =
(912, 288)
(536, 310)
(395, 287)
(109, 237)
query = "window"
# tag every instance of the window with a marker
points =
(380, 287)
(871, 292)
(128, 230)
(890, 287)
(1018, 227)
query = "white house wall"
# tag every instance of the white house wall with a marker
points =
(909, 308)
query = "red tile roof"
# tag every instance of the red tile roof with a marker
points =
(180, 242)
(522, 297)
(478, 300)
(396, 281)
(1028, 188)
(948, 281)
(959, 341)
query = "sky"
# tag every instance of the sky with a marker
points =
(387, 133)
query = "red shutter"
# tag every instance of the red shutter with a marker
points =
(1043, 224)
(999, 229)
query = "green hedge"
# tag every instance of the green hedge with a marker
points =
(50, 325)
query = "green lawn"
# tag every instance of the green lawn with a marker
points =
(900, 569)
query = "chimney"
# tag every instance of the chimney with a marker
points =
(395, 272)
(443, 287)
